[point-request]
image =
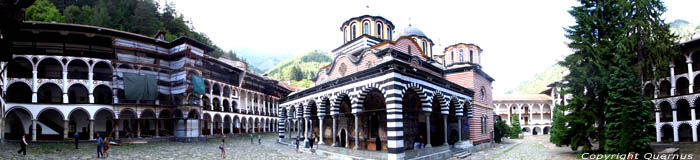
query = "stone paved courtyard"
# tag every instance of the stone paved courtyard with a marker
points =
(529, 148)
(236, 148)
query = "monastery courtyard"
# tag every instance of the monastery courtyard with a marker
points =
(236, 148)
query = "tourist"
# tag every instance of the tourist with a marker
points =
(23, 145)
(417, 142)
(76, 137)
(297, 144)
(251, 138)
(99, 146)
(105, 147)
(259, 139)
(223, 151)
(311, 141)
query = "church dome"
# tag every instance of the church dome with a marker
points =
(412, 31)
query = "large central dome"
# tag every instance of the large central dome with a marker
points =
(412, 31)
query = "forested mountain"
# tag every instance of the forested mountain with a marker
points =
(539, 82)
(300, 69)
(144, 17)
(684, 29)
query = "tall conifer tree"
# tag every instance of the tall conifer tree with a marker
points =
(612, 41)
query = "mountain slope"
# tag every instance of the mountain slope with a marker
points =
(300, 69)
(539, 82)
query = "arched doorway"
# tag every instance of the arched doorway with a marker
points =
(437, 125)
(50, 121)
(685, 133)
(77, 69)
(236, 125)
(545, 130)
(313, 117)
(373, 116)
(665, 89)
(104, 122)
(147, 123)
(452, 122)
(346, 122)
(79, 121)
(413, 119)
(49, 68)
(207, 124)
(682, 86)
(77, 93)
(536, 131)
(666, 133)
(128, 123)
(17, 123)
(666, 113)
(683, 110)
(166, 123)
(102, 71)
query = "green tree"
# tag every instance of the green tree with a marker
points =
(611, 41)
(558, 130)
(515, 129)
(43, 10)
(79, 15)
(145, 18)
(501, 129)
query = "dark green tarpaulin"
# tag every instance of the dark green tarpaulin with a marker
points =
(198, 84)
(140, 87)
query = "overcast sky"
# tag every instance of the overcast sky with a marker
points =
(519, 38)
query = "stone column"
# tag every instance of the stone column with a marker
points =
(34, 129)
(509, 112)
(357, 131)
(222, 128)
(427, 128)
(658, 131)
(320, 130)
(333, 132)
(116, 133)
(35, 86)
(695, 130)
(675, 128)
(91, 98)
(138, 128)
(306, 127)
(541, 113)
(64, 77)
(92, 129)
(690, 76)
(211, 128)
(156, 120)
(444, 119)
(65, 129)
(459, 129)
(673, 79)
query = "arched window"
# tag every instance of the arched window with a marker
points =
(483, 95)
(365, 27)
(425, 48)
(379, 30)
(471, 56)
(388, 33)
(461, 55)
(353, 30)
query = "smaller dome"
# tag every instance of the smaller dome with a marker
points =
(412, 31)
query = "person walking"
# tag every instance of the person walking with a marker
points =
(297, 144)
(223, 151)
(251, 138)
(105, 148)
(311, 141)
(259, 139)
(76, 137)
(99, 146)
(23, 145)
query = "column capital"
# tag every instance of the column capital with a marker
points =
(689, 61)
(671, 65)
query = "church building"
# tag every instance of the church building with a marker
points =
(384, 92)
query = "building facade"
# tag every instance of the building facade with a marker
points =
(534, 111)
(676, 97)
(68, 78)
(382, 92)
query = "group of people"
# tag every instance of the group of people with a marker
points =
(223, 144)
(102, 145)
(310, 141)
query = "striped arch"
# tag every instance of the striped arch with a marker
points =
(321, 105)
(443, 100)
(307, 108)
(358, 101)
(674, 105)
(300, 110)
(459, 111)
(336, 100)
(425, 101)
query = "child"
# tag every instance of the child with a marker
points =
(297, 144)
(221, 147)
(105, 147)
